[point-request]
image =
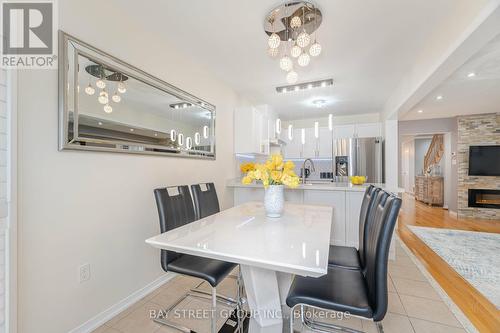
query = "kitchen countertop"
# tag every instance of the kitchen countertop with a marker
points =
(320, 185)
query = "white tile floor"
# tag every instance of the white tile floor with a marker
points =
(414, 306)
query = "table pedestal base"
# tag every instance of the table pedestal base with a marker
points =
(266, 291)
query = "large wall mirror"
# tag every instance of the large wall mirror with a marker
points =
(106, 104)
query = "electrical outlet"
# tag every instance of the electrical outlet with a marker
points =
(84, 273)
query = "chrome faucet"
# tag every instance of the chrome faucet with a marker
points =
(304, 169)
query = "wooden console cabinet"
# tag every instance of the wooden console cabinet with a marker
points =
(430, 189)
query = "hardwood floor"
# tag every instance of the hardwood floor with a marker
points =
(482, 313)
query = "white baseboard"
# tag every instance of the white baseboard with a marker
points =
(453, 214)
(115, 309)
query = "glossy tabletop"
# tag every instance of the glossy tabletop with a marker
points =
(297, 242)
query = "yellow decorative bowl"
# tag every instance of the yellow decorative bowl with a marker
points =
(357, 180)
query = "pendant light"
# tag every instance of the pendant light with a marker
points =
(180, 139)
(121, 87)
(100, 84)
(304, 59)
(103, 97)
(290, 132)
(330, 122)
(295, 51)
(286, 63)
(116, 98)
(206, 132)
(315, 48)
(274, 40)
(295, 22)
(173, 135)
(303, 39)
(303, 136)
(316, 129)
(189, 143)
(197, 138)
(278, 126)
(89, 90)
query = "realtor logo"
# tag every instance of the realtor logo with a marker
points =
(28, 31)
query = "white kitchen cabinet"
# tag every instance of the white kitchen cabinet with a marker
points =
(337, 200)
(245, 128)
(369, 130)
(344, 131)
(252, 130)
(313, 148)
(293, 148)
(325, 143)
(352, 209)
(310, 148)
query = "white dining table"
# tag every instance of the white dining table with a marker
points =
(269, 250)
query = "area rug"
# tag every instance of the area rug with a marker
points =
(473, 255)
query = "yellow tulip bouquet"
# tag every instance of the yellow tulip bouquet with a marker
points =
(275, 171)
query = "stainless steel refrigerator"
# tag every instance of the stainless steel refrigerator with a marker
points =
(358, 157)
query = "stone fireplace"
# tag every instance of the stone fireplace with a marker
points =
(477, 195)
(484, 198)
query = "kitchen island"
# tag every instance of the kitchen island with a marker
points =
(345, 199)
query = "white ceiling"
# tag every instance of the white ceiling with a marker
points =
(368, 46)
(461, 94)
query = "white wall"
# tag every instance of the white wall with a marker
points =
(391, 153)
(98, 208)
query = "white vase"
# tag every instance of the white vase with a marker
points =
(274, 200)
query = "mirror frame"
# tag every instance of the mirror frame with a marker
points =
(65, 143)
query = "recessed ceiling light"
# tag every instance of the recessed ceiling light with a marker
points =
(319, 103)
(156, 134)
(100, 123)
(439, 97)
(420, 111)
(471, 74)
(131, 130)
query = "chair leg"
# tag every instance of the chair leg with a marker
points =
(166, 322)
(380, 328)
(214, 311)
(239, 304)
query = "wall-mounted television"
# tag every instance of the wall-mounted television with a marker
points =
(484, 161)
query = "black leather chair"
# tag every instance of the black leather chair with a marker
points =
(350, 257)
(175, 211)
(206, 202)
(361, 293)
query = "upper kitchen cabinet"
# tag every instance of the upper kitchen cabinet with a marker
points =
(344, 131)
(293, 148)
(368, 130)
(253, 128)
(312, 148)
(325, 143)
